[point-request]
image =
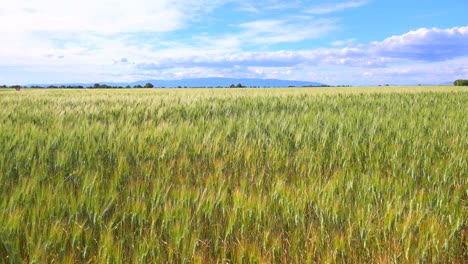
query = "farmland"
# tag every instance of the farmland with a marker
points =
(375, 175)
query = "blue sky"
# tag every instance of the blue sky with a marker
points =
(358, 42)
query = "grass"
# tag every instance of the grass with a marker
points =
(375, 175)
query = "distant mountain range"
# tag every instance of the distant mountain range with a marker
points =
(200, 82)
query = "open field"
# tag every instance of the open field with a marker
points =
(376, 175)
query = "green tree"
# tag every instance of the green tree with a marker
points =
(149, 85)
(461, 83)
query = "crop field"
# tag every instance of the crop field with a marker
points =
(316, 175)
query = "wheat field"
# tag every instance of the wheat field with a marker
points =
(316, 175)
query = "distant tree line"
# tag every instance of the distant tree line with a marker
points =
(236, 86)
(150, 85)
(105, 86)
(461, 83)
(10, 86)
(95, 86)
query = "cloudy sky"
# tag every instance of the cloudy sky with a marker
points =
(358, 42)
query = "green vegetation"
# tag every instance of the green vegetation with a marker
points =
(248, 175)
(237, 86)
(461, 83)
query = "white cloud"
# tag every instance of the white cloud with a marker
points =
(344, 42)
(334, 7)
(266, 33)
(99, 32)
(292, 29)
(103, 16)
(258, 7)
(425, 44)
